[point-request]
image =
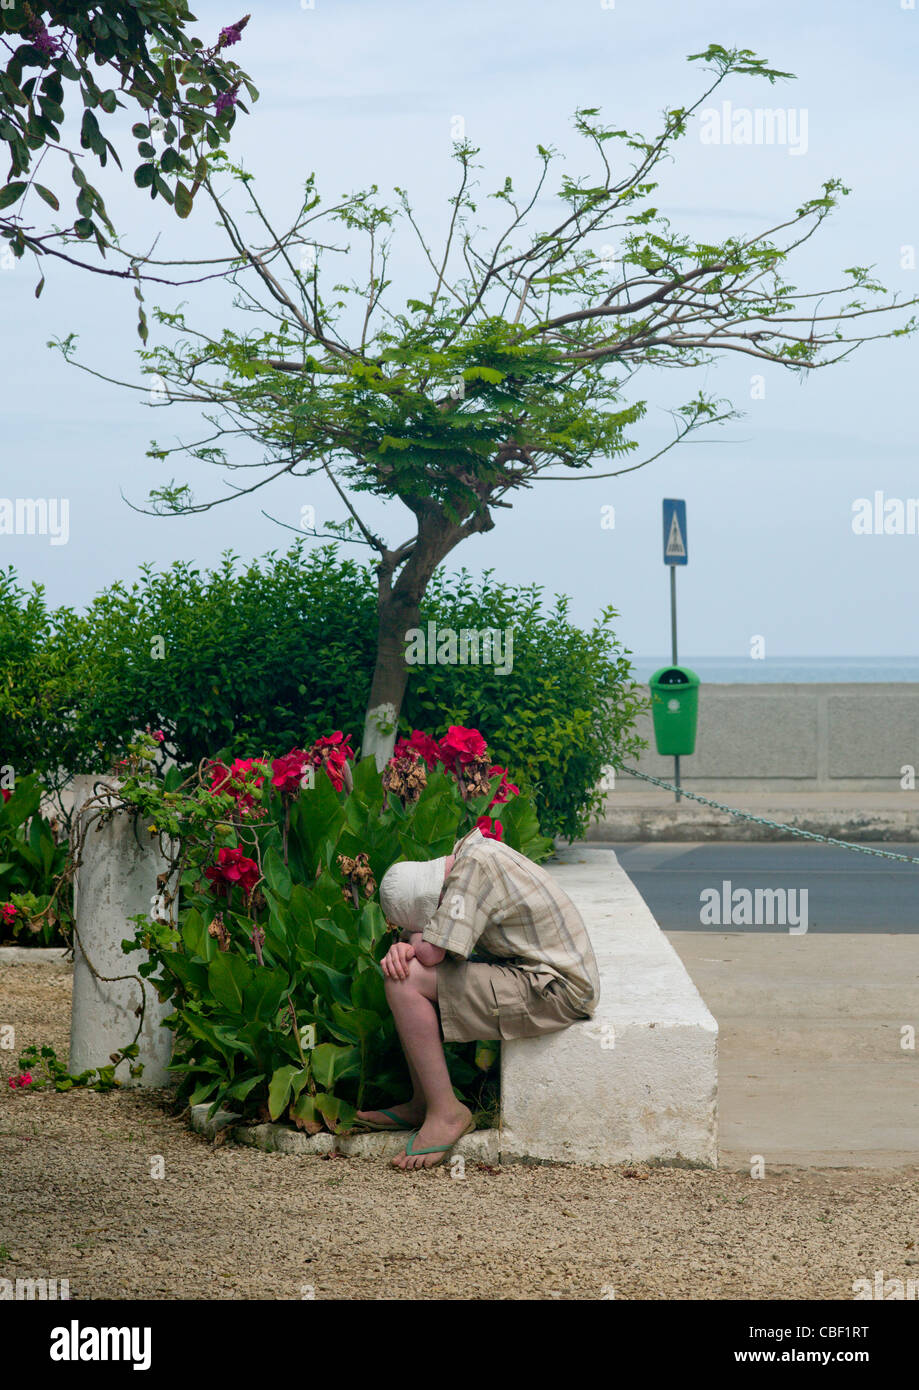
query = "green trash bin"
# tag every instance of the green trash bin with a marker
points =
(675, 709)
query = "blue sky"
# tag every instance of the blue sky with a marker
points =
(364, 93)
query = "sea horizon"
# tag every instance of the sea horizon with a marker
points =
(737, 670)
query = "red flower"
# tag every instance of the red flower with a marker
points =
(229, 779)
(419, 742)
(233, 867)
(505, 788)
(459, 746)
(236, 779)
(491, 829)
(332, 752)
(290, 770)
(8, 912)
(5, 793)
(24, 1079)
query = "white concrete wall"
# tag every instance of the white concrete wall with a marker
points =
(829, 736)
(116, 879)
(652, 1095)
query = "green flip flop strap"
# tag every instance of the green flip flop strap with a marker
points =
(438, 1149)
(398, 1118)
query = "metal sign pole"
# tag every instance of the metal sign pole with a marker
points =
(674, 659)
(676, 552)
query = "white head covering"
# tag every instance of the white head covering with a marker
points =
(410, 891)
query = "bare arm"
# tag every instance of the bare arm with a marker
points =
(424, 951)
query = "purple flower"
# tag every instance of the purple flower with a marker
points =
(224, 101)
(46, 43)
(231, 34)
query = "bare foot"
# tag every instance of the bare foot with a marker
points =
(438, 1132)
(411, 1114)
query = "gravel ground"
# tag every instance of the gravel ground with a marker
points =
(232, 1222)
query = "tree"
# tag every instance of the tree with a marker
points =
(514, 366)
(146, 46)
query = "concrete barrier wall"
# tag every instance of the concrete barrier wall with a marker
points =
(116, 879)
(638, 1080)
(846, 736)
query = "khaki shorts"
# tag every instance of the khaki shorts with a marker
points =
(482, 1001)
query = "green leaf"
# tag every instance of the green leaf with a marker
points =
(368, 991)
(304, 1110)
(263, 997)
(285, 1082)
(227, 977)
(356, 1024)
(195, 935)
(11, 193)
(173, 779)
(240, 1089)
(483, 374)
(184, 202)
(48, 196)
(371, 926)
(202, 1092)
(338, 1114)
(330, 1063)
(277, 875)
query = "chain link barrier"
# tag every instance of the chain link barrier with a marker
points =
(775, 824)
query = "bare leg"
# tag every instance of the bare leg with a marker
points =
(412, 1002)
(412, 1111)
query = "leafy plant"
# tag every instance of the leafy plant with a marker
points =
(262, 655)
(42, 1068)
(186, 92)
(272, 963)
(36, 900)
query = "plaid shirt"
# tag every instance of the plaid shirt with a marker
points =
(500, 902)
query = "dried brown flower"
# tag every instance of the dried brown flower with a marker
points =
(474, 778)
(359, 875)
(218, 929)
(406, 777)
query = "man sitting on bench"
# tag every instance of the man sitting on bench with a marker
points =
(537, 974)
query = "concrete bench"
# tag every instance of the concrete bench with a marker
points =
(638, 1080)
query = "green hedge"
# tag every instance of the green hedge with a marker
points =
(262, 657)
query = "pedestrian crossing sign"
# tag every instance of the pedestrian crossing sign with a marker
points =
(675, 548)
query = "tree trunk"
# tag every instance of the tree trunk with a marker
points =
(399, 609)
(389, 678)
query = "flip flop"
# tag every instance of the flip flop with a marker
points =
(438, 1149)
(399, 1123)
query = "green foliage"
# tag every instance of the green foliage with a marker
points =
(279, 1007)
(32, 863)
(559, 718)
(47, 1070)
(41, 670)
(268, 655)
(152, 60)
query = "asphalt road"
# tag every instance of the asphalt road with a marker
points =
(712, 886)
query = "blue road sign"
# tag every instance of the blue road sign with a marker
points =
(675, 546)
